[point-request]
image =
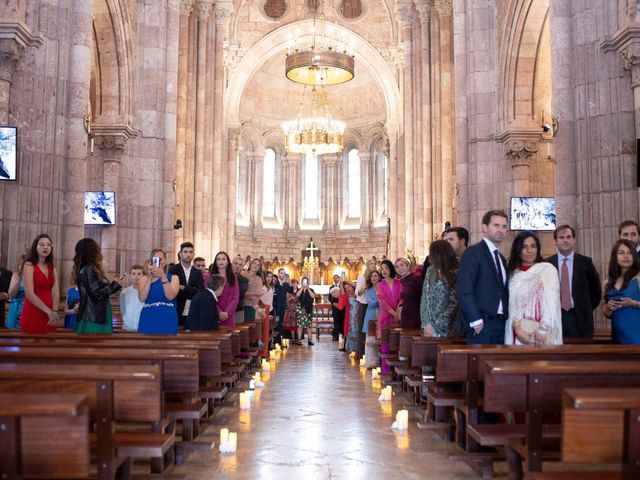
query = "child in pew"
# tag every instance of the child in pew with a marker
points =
(203, 311)
(130, 304)
(71, 306)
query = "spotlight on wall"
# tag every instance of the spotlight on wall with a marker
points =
(553, 127)
(178, 225)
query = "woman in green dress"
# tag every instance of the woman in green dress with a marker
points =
(94, 311)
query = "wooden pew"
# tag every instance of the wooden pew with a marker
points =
(536, 387)
(123, 393)
(62, 451)
(465, 365)
(615, 415)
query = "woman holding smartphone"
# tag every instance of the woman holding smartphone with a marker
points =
(157, 291)
(94, 309)
(622, 293)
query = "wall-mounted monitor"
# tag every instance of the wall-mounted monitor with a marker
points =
(99, 208)
(8, 152)
(533, 213)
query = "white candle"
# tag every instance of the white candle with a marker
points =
(374, 374)
(233, 442)
(266, 366)
(257, 377)
(402, 419)
(245, 401)
(252, 384)
(224, 436)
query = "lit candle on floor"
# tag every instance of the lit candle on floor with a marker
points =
(224, 436)
(363, 362)
(272, 354)
(245, 401)
(402, 420)
(266, 366)
(233, 442)
(374, 374)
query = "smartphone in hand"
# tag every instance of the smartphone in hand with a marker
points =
(155, 261)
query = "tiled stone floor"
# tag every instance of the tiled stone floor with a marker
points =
(318, 417)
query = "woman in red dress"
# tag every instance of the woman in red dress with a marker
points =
(42, 293)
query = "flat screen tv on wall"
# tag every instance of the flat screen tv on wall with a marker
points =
(533, 213)
(99, 208)
(8, 152)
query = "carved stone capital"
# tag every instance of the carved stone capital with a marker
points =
(14, 38)
(204, 8)
(186, 7)
(626, 42)
(111, 139)
(404, 14)
(223, 12)
(423, 8)
(443, 7)
(631, 57)
(520, 146)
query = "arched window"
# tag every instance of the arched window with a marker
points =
(351, 8)
(353, 184)
(386, 184)
(311, 186)
(269, 184)
(238, 186)
(275, 9)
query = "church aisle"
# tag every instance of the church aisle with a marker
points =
(318, 418)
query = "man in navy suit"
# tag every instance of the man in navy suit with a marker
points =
(580, 289)
(190, 280)
(203, 311)
(483, 293)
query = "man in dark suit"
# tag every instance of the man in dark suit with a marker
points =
(203, 311)
(336, 313)
(190, 280)
(629, 230)
(5, 281)
(580, 288)
(483, 293)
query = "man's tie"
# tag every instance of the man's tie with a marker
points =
(565, 287)
(499, 266)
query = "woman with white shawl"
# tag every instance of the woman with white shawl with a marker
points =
(535, 316)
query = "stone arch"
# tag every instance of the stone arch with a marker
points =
(273, 138)
(526, 33)
(112, 82)
(376, 138)
(276, 41)
(250, 139)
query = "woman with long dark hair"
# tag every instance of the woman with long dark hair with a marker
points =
(228, 301)
(389, 292)
(439, 303)
(535, 316)
(41, 290)
(94, 310)
(622, 293)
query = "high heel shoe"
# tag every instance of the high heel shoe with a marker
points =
(310, 343)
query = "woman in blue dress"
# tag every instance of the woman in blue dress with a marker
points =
(371, 347)
(622, 293)
(157, 291)
(71, 308)
(16, 293)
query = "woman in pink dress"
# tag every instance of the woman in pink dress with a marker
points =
(389, 292)
(42, 293)
(228, 301)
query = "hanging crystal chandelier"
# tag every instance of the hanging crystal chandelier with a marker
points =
(327, 60)
(314, 134)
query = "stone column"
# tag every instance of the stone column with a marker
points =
(110, 142)
(404, 13)
(366, 217)
(80, 44)
(447, 169)
(258, 180)
(189, 221)
(220, 214)
(202, 193)
(424, 13)
(182, 177)
(227, 229)
(563, 106)
(330, 192)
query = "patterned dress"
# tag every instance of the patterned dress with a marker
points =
(295, 316)
(351, 343)
(439, 305)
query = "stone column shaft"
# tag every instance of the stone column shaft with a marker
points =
(202, 194)
(182, 175)
(80, 44)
